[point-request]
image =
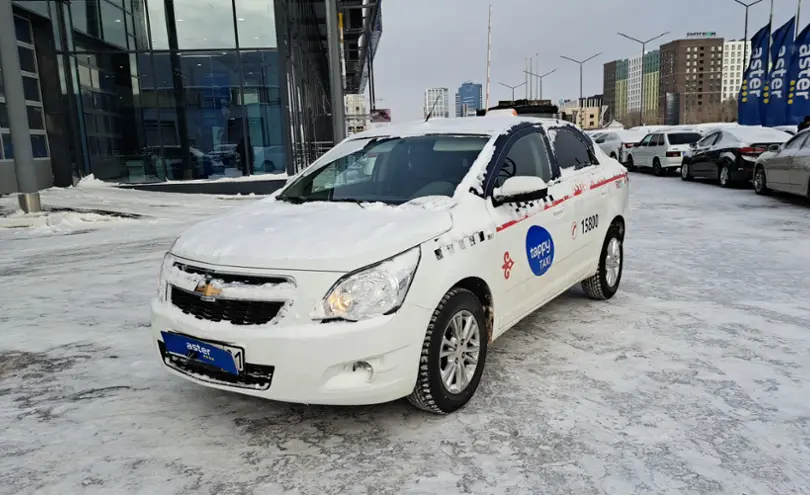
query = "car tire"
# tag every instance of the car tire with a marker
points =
(724, 176)
(431, 393)
(605, 283)
(686, 173)
(760, 181)
(613, 155)
(657, 171)
(629, 164)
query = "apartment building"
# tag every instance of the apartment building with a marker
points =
(440, 97)
(609, 90)
(652, 67)
(591, 111)
(469, 99)
(621, 92)
(357, 117)
(690, 72)
(735, 55)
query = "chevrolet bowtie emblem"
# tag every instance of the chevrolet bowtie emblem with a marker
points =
(207, 290)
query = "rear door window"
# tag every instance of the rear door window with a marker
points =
(570, 150)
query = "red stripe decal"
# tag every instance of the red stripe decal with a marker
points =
(560, 201)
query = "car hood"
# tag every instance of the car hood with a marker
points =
(318, 236)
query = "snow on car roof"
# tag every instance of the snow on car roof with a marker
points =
(757, 134)
(487, 125)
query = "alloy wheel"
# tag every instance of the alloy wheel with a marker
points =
(613, 262)
(724, 176)
(461, 345)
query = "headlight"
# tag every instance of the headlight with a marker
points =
(168, 260)
(372, 291)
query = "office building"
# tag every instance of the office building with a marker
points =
(691, 74)
(469, 99)
(181, 89)
(437, 100)
(587, 115)
(735, 55)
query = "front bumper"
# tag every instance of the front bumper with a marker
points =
(309, 363)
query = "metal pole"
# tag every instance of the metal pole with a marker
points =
(489, 57)
(531, 83)
(745, 44)
(537, 89)
(580, 95)
(335, 78)
(17, 113)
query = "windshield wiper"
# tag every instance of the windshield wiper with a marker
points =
(296, 200)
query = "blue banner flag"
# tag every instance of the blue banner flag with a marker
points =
(799, 76)
(753, 85)
(774, 100)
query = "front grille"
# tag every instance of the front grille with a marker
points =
(254, 376)
(238, 312)
(230, 278)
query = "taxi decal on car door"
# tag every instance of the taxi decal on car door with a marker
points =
(539, 249)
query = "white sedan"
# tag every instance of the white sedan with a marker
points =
(391, 281)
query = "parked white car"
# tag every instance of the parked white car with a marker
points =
(392, 281)
(615, 144)
(661, 151)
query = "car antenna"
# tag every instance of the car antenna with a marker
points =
(430, 113)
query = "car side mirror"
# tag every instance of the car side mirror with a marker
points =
(775, 148)
(520, 189)
(693, 145)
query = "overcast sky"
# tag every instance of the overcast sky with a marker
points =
(442, 43)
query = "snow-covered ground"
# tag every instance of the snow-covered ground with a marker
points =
(694, 379)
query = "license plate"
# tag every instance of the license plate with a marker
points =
(227, 358)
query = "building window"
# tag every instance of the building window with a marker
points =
(205, 25)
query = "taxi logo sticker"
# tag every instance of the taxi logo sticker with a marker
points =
(508, 263)
(574, 230)
(539, 249)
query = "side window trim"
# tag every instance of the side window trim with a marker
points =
(498, 161)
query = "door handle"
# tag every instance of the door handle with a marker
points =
(559, 210)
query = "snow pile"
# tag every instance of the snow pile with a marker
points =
(90, 182)
(58, 222)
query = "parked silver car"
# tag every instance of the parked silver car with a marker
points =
(785, 168)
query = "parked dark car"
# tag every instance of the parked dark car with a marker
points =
(728, 155)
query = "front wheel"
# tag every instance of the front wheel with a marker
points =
(657, 171)
(686, 174)
(453, 354)
(605, 283)
(760, 181)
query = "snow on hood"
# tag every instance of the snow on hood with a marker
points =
(321, 236)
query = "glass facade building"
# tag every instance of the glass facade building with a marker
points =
(154, 90)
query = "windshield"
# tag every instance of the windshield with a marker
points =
(391, 170)
(684, 138)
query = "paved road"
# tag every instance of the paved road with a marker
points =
(694, 379)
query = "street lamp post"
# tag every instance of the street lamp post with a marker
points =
(581, 63)
(643, 52)
(513, 88)
(540, 82)
(745, 40)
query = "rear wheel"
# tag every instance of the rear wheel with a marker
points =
(605, 283)
(453, 354)
(760, 181)
(629, 164)
(724, 175)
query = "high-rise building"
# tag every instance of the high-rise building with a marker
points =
(621, 93)
(691, 74)
(652, 67)
(437, 99)
(734, 62)
(586, 114)
(609, 90)
(131, 91)
(634, 85)
(469, 98)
